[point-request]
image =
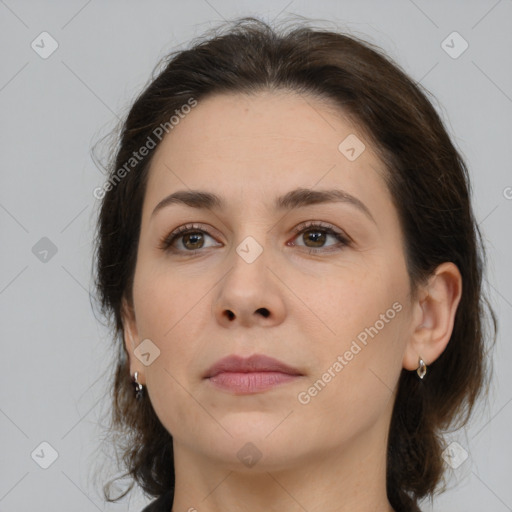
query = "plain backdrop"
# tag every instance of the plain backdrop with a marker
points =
(55, 353)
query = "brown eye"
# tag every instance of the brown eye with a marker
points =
(193, 240)
(314, 237)
(186, 239)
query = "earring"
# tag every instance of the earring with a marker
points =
(422, 369)
(139, 388)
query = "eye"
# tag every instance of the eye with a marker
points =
(316, 234)
(190, 237)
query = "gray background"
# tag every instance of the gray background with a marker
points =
(54, 352)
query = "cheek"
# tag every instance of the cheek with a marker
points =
(349, 299)
(353, 384)
(359, 340)
(171, 315)
(165, 300)
(167, 309)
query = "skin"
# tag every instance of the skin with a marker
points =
(328, 454)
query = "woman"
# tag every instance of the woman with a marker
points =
(287, 247)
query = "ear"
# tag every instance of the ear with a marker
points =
(434, 316)
(130, 335)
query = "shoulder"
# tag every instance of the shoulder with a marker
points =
(161, 504)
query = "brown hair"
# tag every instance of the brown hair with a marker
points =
(428, 181)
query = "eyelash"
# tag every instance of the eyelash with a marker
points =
(167, 241)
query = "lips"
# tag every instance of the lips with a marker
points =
(254, 363)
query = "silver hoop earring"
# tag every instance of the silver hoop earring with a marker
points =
(422, 369)
(139, 388)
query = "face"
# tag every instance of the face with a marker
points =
(320, 285)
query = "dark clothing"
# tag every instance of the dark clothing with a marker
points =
(161, 504)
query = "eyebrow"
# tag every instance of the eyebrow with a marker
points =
(294, 199)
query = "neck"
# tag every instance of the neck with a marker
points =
(351, 478)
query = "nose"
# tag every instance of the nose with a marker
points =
(250, 293)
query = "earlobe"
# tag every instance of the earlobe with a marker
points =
(434, 317)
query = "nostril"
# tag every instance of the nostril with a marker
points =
(230, 314)
(264, 311)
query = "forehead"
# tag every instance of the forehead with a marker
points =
(290, 119)
(241, 145)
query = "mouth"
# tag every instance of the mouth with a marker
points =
(250, 382)
(255, 374)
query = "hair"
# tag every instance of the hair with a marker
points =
(428, 181)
